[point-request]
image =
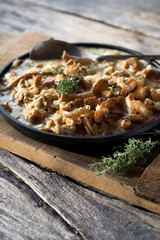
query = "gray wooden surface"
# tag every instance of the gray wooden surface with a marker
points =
(36, 203)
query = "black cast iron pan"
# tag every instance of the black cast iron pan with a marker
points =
(74, 143)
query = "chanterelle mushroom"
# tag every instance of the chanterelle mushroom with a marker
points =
(99, 86)
(131, 64)
(82, 60)
(150, 74)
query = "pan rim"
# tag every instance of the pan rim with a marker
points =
(75, 139)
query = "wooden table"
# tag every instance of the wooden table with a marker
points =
(35, 202)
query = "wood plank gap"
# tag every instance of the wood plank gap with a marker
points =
(19, 177)
(86, 209)
(116, 26)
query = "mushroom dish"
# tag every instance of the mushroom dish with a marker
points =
(77, 96)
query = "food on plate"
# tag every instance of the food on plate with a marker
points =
(81, 97)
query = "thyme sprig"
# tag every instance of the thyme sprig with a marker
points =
(56, 70)
(93, 64)
(67, 85)
(136, 151)
(111, 89)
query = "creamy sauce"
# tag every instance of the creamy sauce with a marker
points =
(25, 67)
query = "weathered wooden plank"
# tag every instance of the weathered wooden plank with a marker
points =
(7, 51)
(5, 36)
(24, 215)
(140, 15)
(149, 184)
(93, 215)
(17, 16)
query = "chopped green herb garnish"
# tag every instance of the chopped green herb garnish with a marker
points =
(111, 89)
(29, 64)
(55, 69)
(136, 151)
(156, 132)
(67, 85)
(93, 64)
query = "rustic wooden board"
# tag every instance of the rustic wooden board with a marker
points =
(64, 162)
(33, 198)
(26, 208)
(5, 36)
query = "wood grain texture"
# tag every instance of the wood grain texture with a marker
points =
(16, 45)
(17, 16)
(64, 162)
(24, 215)
(91, 214)
(139, 15)
(5, 36)
(149, 183)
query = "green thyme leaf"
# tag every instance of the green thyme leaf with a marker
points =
(55, 70)
(111, 89)
(136, 151)
(156, 132)
(93, 64)
(67, 85)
